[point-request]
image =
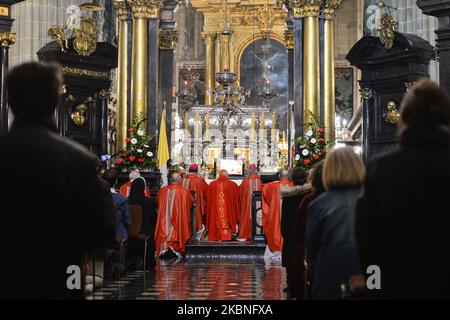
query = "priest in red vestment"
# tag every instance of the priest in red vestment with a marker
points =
(173, 227)
(222, 208)
(125, 189)
(250, 184)
(272, 215)
(194, 183)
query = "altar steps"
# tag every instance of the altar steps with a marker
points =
(225, 250)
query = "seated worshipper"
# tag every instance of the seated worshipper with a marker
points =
(124, 189)
(173, 227)
(135, 247)
(291, 198)
(272, 215)
(251, 183)
(194, 183)
(297, 280)
(123, 219)
(222, 209)
(330, 243)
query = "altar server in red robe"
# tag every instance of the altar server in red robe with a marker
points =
(272, 215)
(194, 183)
(250, 184)
(125, 189)
(222, 208)
(173, 228)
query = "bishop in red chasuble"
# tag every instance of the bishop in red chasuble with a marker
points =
(193, 182)
(250, 184)
(173, 227)
(222, 208)
(271, 220)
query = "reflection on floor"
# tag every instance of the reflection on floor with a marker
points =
(195, 279)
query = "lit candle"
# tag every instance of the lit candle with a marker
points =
(207, 127)
(225, 67)
(252, 130)
(186, 83)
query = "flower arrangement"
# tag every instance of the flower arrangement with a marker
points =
(312, 147)
(139, 150)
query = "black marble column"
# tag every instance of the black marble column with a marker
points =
(153, 76)
(441, 10)
(298, 76)
(166, 83)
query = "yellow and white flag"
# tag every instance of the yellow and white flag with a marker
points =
(163, 149)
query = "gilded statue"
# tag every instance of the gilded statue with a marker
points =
(79, 115)
(86, 36)
(57, 33)
(386, 33)
(392, 115)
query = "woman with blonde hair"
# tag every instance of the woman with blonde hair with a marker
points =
(330, 244)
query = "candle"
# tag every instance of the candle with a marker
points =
(274, 120)
(197, 125)
(252, 130)
(186, 83)
(207, 127)
(263, 124)
(186, 123)
(225, 67)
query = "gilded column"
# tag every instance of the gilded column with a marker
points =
(310, 10)
(6, 40)
(141, 11)
(210, 66)
(329, 64)
(122, 72)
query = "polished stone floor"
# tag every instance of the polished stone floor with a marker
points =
(200, 279)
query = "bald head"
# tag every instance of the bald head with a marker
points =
(175, 178)
(284, 174)
(223, 173)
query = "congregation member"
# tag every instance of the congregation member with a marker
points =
(250, 184)
(271, 218)
(297, 279)
(173, 227)
(194, 183)
(404, 215)
(125, 189)
(291, 199)
(68, 216)
(123, 220)
(330, 242)
(222, 208)
(138, 198)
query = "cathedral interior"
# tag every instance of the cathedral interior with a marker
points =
(235, 83)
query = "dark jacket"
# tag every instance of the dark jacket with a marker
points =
(54, 210)
(330, 243)
(296, 282)
(403, 219)
(292, 196)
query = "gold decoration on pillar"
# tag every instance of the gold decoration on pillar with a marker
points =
(122, 72)
(210, 66)
(86, 36)
(329, 63)
(366, 93)
(7, 39)
(289, 39)
(168, 39)
(146, 9)
(305, 8)
(387, 31)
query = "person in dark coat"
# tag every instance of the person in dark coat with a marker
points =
(296, 283)
(330, 243)
(149, 216)
(46, 233)
(403, 218)
(292, 196)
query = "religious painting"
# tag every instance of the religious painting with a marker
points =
(267, 61)
(344, 93)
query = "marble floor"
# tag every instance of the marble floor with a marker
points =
(200, 279)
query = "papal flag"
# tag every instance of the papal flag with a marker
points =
(163, 149)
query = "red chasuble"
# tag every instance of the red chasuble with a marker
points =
(173, 224)
(272, 213)
(193, 182)
(250, 184)
(222, 209)
(125, 189)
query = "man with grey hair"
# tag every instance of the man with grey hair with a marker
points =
(271, 208)
(172, 229)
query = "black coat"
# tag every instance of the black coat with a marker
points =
(54, 210)
(403, 220)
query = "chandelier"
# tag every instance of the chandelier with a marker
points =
(265, 89)
(229, 97)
